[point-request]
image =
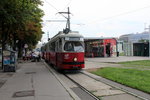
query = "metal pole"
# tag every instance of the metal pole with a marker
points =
(2, 55)
(149, 40)
(47, 36)
(68, 19)
(2, 45)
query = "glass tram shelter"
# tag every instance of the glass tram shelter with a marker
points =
(100, 47)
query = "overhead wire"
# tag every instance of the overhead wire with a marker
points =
(99, 20)
(67, 5)
(121, 14)
(57, 11)
(52, 7)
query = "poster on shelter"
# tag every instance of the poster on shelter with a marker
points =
(6, 60)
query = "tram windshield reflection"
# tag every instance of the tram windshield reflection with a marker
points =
(73, 46)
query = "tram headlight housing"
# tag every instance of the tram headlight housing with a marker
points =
(75, 59)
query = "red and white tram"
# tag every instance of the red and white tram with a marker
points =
(65, 51)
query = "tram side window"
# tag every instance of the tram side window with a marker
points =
(60, 44)
(46, 48)
(53, 46)
(50, 47)
(57, 46)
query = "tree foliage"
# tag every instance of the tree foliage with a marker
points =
(20, 20)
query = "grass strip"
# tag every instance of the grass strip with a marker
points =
(137, 63)
(139, 79)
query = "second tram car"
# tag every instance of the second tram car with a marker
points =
(65, 51)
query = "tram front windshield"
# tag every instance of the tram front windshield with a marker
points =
(73, 46)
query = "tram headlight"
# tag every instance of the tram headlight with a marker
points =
(75, 59)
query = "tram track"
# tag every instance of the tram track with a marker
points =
(69, 89)
(91, 88)
(84, 89)
(114, 90)
(99, 88)
(137, 93)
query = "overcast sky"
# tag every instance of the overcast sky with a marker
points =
(96, 18)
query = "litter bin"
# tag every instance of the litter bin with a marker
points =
(9, 61)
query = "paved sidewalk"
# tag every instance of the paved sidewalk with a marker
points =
(99, 62)
(33, 81)
(116, 59)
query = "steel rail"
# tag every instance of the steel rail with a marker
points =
(106, 81)
(84, 89)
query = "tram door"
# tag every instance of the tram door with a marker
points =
(59, 53)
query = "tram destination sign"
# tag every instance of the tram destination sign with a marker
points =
(74, 38)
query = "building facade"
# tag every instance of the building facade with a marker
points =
(135, 44)
(100, 47)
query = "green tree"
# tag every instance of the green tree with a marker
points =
(20, 20)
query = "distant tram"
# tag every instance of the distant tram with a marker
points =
(65, 51)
